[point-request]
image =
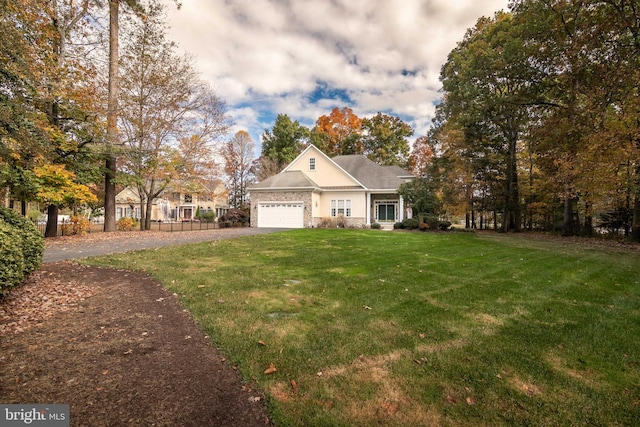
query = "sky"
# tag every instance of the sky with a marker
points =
(305, 57)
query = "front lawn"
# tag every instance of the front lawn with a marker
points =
(366, 327)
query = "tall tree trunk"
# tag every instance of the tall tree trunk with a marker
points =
(512, 215)
(112, 118)
(635, 221)
(568, 227)
(51, 229)
(143, 214)
(147, 217)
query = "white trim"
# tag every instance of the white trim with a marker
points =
(395, 202)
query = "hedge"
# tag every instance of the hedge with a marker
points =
(18, 232)
(11, 258)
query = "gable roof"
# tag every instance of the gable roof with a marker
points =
(370, 174)
(366, 174)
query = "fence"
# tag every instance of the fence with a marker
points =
(98, 227)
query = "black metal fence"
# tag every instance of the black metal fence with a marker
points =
(98, 227)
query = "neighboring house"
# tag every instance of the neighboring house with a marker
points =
(175, 203)
(314, 186)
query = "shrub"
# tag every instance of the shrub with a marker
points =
(234, 218)
(411, 223)
(334, 222)
(432, 220)
(77, 225)
(208, 216)
(325, 223)
(398, 226)
(375, 226)
(444, 225)
(340, 221)
(30, 239)
(126, 224)
(12, 264)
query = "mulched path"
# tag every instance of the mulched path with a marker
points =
(120, 350)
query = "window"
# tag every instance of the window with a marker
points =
(340, 207)
(188, 198)
(312, 164)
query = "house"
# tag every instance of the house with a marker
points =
(314, 187)
(177, 203)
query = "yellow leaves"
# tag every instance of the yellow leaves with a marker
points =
(57, 186)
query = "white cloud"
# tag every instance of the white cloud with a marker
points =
(268, 56)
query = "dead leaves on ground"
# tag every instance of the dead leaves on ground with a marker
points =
(38, 299)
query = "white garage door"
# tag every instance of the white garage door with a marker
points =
(281, 215)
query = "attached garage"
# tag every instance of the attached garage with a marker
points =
(281, 215)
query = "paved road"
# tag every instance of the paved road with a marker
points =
(103, 244)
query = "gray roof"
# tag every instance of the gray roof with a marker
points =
(399, 172)
(370, 174)
(289, 179)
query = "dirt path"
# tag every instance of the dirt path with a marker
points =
(119, 349)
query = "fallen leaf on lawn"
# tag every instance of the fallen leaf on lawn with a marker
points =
(270, 370)
(128, 351)
(470, 401)
(391, 408)
(421, 335)
(366, 307)
(262, 343)
(294, 385)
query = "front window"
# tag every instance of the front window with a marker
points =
(340, 207)
(188, 198)
(312, 164)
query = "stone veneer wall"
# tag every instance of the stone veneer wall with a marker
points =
(286, 196)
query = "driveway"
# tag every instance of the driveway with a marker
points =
(97, 244)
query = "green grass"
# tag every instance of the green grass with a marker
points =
(392, 328)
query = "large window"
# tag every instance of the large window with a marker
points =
(340, 207)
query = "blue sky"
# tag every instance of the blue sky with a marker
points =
(304, 57)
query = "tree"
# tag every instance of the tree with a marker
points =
(56, 187)
(24, 130)
(284, 141)
(622, 18)
(384, 140)
(421, 196)
(486, 81)
(338, 133)
(421, 157)
(169, 117)
(238, 155)
(53, 83)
